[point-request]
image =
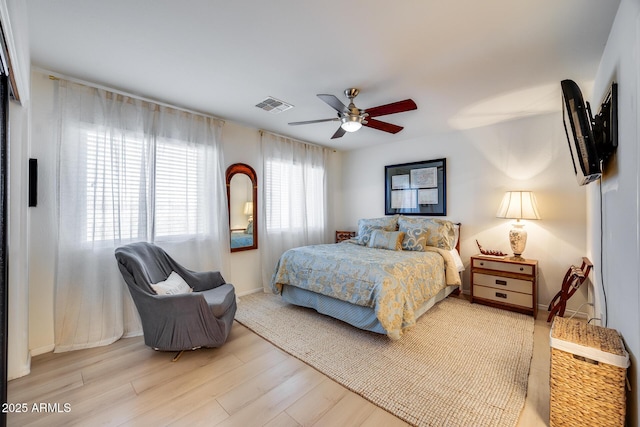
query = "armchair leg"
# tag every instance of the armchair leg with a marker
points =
(177, 356)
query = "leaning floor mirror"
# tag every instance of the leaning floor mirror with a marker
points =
(242, 197)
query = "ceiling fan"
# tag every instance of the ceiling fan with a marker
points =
(353, 118)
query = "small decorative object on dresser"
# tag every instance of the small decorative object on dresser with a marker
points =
(490, 252)
(505, 283)
(344, 235)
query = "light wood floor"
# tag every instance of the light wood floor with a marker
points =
(247, 382)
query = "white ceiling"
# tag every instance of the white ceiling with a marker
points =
(465, 63)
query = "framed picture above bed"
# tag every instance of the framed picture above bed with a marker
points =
(418, 188)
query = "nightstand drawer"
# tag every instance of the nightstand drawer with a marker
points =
(502, 296)
(503, 283)
(503, 266)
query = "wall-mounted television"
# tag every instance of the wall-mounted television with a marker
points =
(592, 140)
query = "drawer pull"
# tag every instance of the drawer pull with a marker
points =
(521, 268)
(501, 282)
(501, 295)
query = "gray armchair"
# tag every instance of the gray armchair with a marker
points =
(201, 318)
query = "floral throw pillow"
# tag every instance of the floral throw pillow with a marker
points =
(421, 232)
(366, 227)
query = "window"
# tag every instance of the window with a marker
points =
(128, 170)
(294, 196)
(178, 206)
(116, 188)
(122, 182)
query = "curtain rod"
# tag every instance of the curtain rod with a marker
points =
(58, 76)
(297, 140)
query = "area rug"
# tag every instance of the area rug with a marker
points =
(463, 364)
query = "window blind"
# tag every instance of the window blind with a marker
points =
(292, 200)
(177, 205)
(116, 183)
(120, 178)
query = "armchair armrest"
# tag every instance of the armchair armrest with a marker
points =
(204, 280)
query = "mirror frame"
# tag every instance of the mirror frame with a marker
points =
(246, 170)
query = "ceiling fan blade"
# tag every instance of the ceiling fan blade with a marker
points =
(334, 102)
(394, 107)
(383, 126)
(339, 133)
(314, 121)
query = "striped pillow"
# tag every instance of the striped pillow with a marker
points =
(391, 240)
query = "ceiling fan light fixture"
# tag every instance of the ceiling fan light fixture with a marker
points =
(352, 118)
(351, 124)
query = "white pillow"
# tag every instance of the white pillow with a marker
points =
(457, 260)
(174, 285)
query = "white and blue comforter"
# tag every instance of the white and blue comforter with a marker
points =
(393, 283)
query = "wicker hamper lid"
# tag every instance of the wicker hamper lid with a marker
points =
(590, 341)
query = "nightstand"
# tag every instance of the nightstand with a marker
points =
(505, 283)
(344, 235)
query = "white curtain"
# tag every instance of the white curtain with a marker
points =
(294, 207)
(129, 170)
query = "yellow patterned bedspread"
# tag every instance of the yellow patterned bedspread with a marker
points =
(394, 283)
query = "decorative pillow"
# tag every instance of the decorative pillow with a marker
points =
(421, 232)
(366, 226)
(457, 260)
(174, 285)
(391, 240)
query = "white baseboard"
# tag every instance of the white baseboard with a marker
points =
(567, 312)
(42, 350)
(542, 307)
(252, 291)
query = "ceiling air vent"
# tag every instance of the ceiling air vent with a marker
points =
(273, 105)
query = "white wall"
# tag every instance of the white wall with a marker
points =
(483, 163)
(619, 226)
(42, 243)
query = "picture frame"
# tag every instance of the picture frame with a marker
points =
(417, 188)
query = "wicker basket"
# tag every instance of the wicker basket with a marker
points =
(588, 371)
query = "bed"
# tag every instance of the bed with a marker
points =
(383, 280)
(241, 239)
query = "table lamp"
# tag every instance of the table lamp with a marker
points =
(518, 205)
(248, 210)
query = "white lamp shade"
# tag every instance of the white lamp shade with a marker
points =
(248, 208)
(518, 205)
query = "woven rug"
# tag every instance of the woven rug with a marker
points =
(462, 365)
